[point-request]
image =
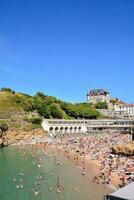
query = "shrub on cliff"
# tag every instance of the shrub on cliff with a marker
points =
(33, 118)
(36, 120)
(3, 127)
(56, 111)
(28, 104)
(101, 105)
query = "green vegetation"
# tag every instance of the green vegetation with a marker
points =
(24, 111)
(3, 127)
(7, 90)
(35, 120)
(80, 110)
(101, 105)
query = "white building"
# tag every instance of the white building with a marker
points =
(98, 95)
(128, 108)
(56, 127)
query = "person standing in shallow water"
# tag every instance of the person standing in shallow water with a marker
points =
(83, 171)
(59, 187)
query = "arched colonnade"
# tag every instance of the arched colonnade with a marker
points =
(66, 129)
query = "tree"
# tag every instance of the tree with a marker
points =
(42, 107)
(56, 111)
(70, 109)
(28, 104)
(36, 120)
(44, 110)
(49, 100)
(87, 112)
(79, 110)
(101, 105)
(41, 95)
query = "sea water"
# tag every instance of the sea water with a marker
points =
(36, 170)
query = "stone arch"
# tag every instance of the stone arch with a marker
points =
(75, 129)
(61, 129)
(66, 129)
(51, 129)
(71, 129)
(56, 129)
(79, 129)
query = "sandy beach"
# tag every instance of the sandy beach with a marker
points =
(91, 166)
(92, 154)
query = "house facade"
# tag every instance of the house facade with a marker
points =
(99, 95)
(127, 109)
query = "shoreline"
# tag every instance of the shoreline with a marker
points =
(51, 163)
(90, 161)
(90, 165)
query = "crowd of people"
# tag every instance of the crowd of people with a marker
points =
(113, 168)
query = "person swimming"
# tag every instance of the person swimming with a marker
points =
(14, 179)
(21, 186)
(37, 183)
(40, 177)
(17, 186)
(39, 165)
(58, 162)
(36, 192)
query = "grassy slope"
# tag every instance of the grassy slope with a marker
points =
(13, 112)
(7, 101)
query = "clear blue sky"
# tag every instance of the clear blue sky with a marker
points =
(64, 47)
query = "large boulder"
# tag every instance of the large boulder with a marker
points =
(126, 149)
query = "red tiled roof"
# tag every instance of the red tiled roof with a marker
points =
(120, 102)
(128, 105)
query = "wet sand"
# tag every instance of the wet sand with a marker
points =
(91, 167)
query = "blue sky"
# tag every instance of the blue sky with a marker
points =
(64, 48)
